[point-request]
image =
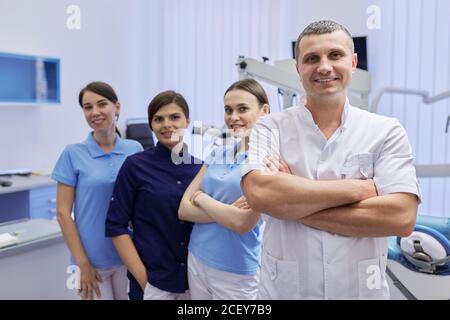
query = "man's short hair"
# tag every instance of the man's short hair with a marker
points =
(322, 27)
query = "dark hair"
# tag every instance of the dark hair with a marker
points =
(251, 86)
(163, 99)
(103, 89)
(322, 27)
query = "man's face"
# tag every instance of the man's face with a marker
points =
(325, 63)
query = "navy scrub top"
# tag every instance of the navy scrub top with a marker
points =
(147, 194)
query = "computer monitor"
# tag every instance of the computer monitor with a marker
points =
(361, 50)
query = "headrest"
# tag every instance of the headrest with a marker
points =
(426, 248)
(432, 241)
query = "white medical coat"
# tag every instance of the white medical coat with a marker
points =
(299, 262)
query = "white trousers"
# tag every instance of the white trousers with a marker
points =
(206, 283)
(154, 293)
(114, 285)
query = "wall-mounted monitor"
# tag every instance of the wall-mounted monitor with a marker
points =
(26, 79)
(361, 50)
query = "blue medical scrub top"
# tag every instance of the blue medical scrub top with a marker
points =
(92, 172)
(147, 194)
(213, 244)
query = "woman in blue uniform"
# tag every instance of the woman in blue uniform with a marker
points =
(86, 173)
(146, 196)
(225, 246)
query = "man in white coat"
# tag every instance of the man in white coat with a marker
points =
(345, 182)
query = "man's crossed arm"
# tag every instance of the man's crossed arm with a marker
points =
(348, 207)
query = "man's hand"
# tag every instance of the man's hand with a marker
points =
(276, 164)
(368, 187)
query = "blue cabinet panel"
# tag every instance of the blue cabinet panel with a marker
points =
(14, 206)
(43, 202)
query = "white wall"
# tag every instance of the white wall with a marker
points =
(196, 43)
(110, 46)
(350, 13)
(141, 47)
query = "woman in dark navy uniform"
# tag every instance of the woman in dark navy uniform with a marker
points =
(147, 193)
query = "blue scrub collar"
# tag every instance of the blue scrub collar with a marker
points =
(96, 151)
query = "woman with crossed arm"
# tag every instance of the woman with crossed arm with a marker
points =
(225, 245)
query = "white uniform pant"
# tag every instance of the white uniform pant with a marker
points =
(114, 285)
(206, 283)
(154, 293)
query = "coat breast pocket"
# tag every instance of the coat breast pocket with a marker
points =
(358, 166)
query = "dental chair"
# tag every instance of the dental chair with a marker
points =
(419, 265)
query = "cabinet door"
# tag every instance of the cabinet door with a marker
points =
(14, 206)
(43, 202)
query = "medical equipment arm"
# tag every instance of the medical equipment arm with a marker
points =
(429, 171)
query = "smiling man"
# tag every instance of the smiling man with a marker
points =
(340, 181)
